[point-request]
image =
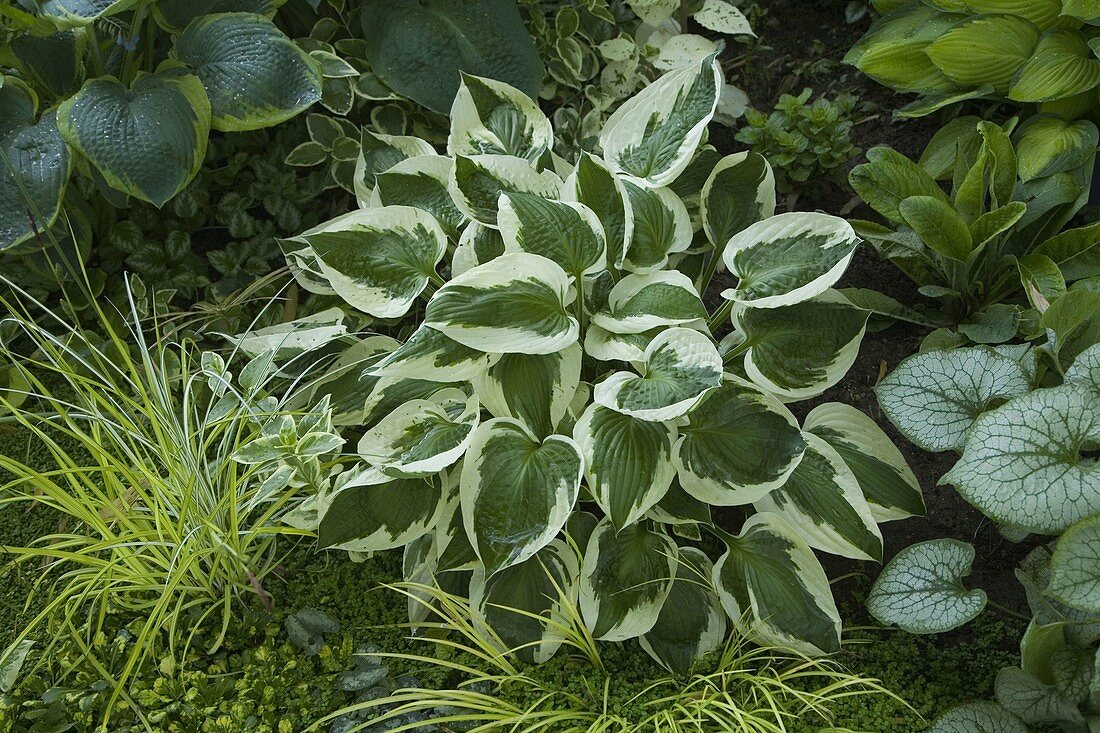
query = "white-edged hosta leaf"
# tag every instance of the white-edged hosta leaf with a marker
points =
(1023, 464)
(788, 258)
(823, 499)
(516, 491)
(680, 365)
(661, 227)
(737, 445)
(978, 717)
(642, 302)
(604, 345)
(478, 181)
(653, 135)
(801, 350)
(775, 590)
(934, 397)
(1062, 65)
(1032, 701)
(514, 304)
(346, 382)
(887, 482)
(1075, 566)
(292, 338)
(491, 117)
(921, 590)
(422, 437)
(253, 74)
(377, 513)
(739, 192)
(627, 462)
(389, 393)
(476, 245)
(678, 508)
(378, 153)
(626, 575)
(591, 183)
(430, 355)
(984, 49)
(692, 622)
(535, 389)
(422, 182)
(563, 231)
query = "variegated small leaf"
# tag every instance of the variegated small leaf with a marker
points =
(1075, 566)
(491, 117)
(478, 181)
(567, 233)
(293, 338)
(422, 437)
(640, 303)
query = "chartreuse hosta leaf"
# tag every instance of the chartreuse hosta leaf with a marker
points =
(739, 192)
(535, 389)
(661, 227)
(1075, 566)
(594, 185)
(422, 437)
(517, 491)
(921, 590)
(421, 182)
(1024, 463)
(478, 181)
(933, 398)
(625, 578)
(1048, 144)
(653, 135)
(36, 165)
(823, 499)
(430, 355)
(378, 153)
(692, 622)
(774, 588)
(680, 365)
(643, 302)
(525, 604)
(514, 304)
(253, 74)
(566, 232)
(892, 51)
(984, 49)
(788, 258)
(374, 512)
(489, 116)
(737, 445)
(983, 717)
(148, 140)
(1061, 65)
(887, 482)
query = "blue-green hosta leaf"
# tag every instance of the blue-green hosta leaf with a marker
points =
(627, 462)
(35, 164)
(1048, 144)
(375, 512)
(892, 51)
(921, 590)
(775, 590)
(148, 141)
(739, 192)
(477, 245)
(692, 622)
(422, 437)
(422, 182)
(429, 354)
(174, 15)
(653, 135)
(516, 491)
(626, 576)
(514, 304)
(377, 154)
(801, 350)
(1033, 701)
(563, 231)
(738, 444)
(680, 366)
(526, 604)
(1062, 65)
(489, 116)
(661, 226)
(535, 389)
(823, 499)
(1023, 463)
(788, 258)
(887, 482)
(984, 49)
(934, 397)
(54, 62)
(591, 183)
(479, 180)
(83, 12)
(978, 717)
(642, 302)
(253, 74)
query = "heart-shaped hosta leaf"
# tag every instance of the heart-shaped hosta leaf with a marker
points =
(640, 303)
(1062, 65)
(801, 350)
(377, 154)
(933, 398)
(680, 365)
(375, 513)
(775, 590)
(739, 192)
(378, 260)
(1023, 463)
(985, 49)
(479, 180)
(592, 184)
(514, 304)
(149, 140)
(1075, 566)
(887, 482)
(526, 604)
(422, 182)
(82, 12)
(692, 622)
(978, 717)
(516, 491)
(422, 437)
(35, 165)
(254, 75)
(625, 578)
(174, 15)
(823, 499)
(54, 62)
(653, 135)
(535, 389)
(738, 444)
(567, 233)
(1048, 144)
(627, 461)
(491, 117)
(660, 226)
(921, 590)
(428, 354)
(788, 258)
(1032, 701)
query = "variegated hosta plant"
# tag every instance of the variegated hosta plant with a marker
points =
(564, 409)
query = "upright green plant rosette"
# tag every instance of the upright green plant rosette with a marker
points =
(561, 420)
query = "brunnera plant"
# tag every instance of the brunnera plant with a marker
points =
(564, 410)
